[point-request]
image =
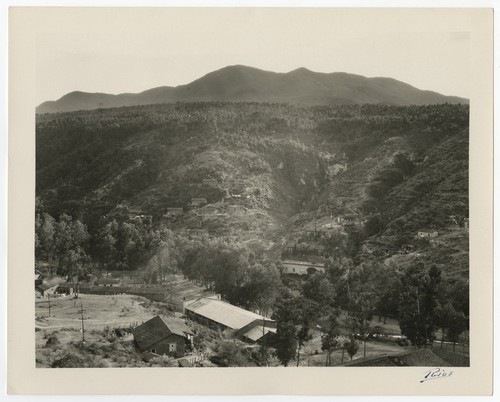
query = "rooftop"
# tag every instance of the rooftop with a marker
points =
(304, 263)
(224, 313)
(258, 332)
(49, 283)
(158, 328)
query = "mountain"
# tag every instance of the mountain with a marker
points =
(246, 84)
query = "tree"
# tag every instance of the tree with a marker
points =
(374, 225)
(294, 316)
(162, 263)
(71, 238)
(260, 288)
(418, 303)
(339, 271)
(404, 164)
(363, 306)
(352, 347)
(457, 324)
(330, 338)
(45, 232)
(105, 248)
(229, 354)
(318, 288)
(464, 340)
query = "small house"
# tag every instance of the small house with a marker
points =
(164, 336)
(427, 233)
(173, 211)
(350, 219)
(290, 247)
(107, 282)
(302, 267)
(133, 282)
(49, 287)
(344, 201)
(198, 202)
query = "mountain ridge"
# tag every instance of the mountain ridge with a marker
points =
(240, 83)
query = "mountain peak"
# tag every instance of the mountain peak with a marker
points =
(301, 70)
(240, 83)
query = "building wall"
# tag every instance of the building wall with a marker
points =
(163, 347)
(427, 234)
(300, 269)
(64, 290)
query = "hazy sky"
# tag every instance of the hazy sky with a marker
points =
(139, 51)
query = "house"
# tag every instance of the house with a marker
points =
(344, 201)
(133, 282)
(349, 219)
(66, 288)
(49, 286)
(198, 202)
(173, 211)
(427, 233)
(220, 315)
(107, 282)
(164, 336)
(137, 213)
(290, 247)
(302, 267)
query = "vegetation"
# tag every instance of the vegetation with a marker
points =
(106, 178)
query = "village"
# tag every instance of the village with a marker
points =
(161, 324)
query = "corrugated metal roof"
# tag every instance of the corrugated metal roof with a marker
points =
(156, 329)
(257, 332)
(51, 283)
(224, 313)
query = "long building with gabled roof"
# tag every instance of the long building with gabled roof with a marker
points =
(218, 314)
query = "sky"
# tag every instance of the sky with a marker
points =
(132, 52)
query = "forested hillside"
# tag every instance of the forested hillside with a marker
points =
(350, 186)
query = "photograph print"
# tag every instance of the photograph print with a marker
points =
(214, 195)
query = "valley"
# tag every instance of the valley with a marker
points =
(227, 194)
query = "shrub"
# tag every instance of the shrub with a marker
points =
(52, 341)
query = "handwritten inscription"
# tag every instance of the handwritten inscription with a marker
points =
(435, 374)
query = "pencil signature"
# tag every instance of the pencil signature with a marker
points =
(435, 374)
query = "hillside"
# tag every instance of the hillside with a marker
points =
(246, 84)
(266, 170)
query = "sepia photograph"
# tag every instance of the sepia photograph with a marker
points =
(223, 188)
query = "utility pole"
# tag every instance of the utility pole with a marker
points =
(48, 298)
(81, 311)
